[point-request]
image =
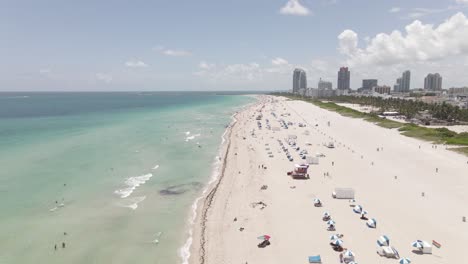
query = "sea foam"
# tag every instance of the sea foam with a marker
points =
(132, 183)
(132, 203)
(187, 139)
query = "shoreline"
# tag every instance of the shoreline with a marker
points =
(198, 216)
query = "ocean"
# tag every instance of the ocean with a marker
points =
(109, 176)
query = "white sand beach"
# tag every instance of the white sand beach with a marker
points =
(413, 190)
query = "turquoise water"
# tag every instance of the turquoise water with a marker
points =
(116, 172)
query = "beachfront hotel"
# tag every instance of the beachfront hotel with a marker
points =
(299, 80)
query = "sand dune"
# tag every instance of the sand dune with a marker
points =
(389, 184)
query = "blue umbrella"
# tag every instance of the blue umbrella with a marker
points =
(357, 209)
(417, 244)
(404, 261)
(349, 253)
(372, 223)
(338, 242)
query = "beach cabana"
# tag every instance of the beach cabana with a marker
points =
(423, 246)
(383, 241)
(315, 259)
(404, 261)
(389, 252)
(357, 209)
(372, 223)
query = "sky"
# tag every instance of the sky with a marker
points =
(135, 45)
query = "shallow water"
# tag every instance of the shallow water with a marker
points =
(116, 172)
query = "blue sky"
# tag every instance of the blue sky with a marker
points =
(226, 45)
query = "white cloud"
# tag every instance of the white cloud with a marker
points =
(419, 43)
(394, 10)
(45, 71)
(348, 41)
(462, 1)
(238, 72)
(294, 7)
(172, 52)
(107, 78)
(136, 64)
(279, 61)
(205, 65)
(176, 53)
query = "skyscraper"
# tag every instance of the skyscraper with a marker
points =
(368, 84)
(299, 80)
(343, 78)
(433, 82)
(403, 84)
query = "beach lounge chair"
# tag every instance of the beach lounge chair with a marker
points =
(315, 259)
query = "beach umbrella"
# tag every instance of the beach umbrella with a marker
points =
(326, 214)
(348, 253)
(357, 209)
(372, 223)
(383, 240)
(334, 237)
(364, 212)
(404, 261)
(331, 222)
(264, 237)
(352, 262)
(316, 200)
(417, 244)
(338, 242)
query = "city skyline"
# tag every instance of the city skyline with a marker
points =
(116, 46)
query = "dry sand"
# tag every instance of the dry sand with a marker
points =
(290, 217)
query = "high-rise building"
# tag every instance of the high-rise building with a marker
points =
(382, 89)
(397, 86)
(433, 82)
(368, 84)
(343, 78)
(324, 85)
(299, 80)
(403, 84)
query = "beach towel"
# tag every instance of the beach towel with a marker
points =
(315, 259)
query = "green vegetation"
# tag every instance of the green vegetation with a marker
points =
(463, 150)
(408, 108)
(436, 135)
